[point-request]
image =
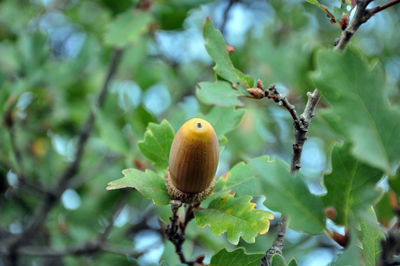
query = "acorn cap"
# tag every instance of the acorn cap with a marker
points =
(193, 158)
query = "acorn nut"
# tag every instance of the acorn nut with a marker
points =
(193, 161)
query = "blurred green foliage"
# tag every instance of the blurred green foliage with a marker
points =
(54, 58)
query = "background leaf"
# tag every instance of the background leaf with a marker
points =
(148, 183)
(218, 93)
(289, 195)
(350, 186)
(224, 120)
(278, 260)
(241, 180)
(371, 236)
(127, 28)
(235, 215)
(360, 112)
(238, 257)
(216, 48)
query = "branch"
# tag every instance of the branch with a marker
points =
(80, 250)
(31, 187)
(17, 154)
(301, 128)
(175, 231)
(361, 16)
(277, 245)
(113, 216)
(371, 12)
(51, 199)
(355, 23)
(301, 124)
(226, 14)
(89, 247)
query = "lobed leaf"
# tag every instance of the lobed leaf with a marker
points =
(360, 111)
(238, 257)
(148, 183)
(236, 216)
(371, 235)
(218, 93)
(278, 260)
(289, 195)
(350, 186)
(224, 120)
(216, 48)
(241, 180)
(157, 143)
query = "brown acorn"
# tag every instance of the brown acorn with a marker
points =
(193, 161)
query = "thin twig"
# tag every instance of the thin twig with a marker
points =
(301, 124)
(277, 245)
(372, 11)
(85, 249)
(175, 231)
(19, 169)
(361, 16)
(226, 14)
(51, 199)
(111, 219)
(89, 247)
(301, 128)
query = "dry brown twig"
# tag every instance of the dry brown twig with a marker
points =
(176, 230)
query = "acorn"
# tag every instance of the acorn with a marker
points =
(193, 161)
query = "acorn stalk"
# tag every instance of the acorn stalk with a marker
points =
(193, 161)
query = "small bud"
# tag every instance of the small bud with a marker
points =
(256, 92)
(331, 213)
(344, 21)
(229, 48)
(342, 240)
(260, 85)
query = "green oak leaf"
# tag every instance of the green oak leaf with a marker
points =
(216, 48)
(394, 182)
(127, 28)
(292, 262)
(371, 235)
(350, 185)
(238, 257)
(224, 120)
(350, 255)
(315, 3)
(278, 260)
(240, 179)
(148, 183)
(289, 195)
(157, 143)
(235, 215)
(360, 111)
(218, 93)
(384, 209)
